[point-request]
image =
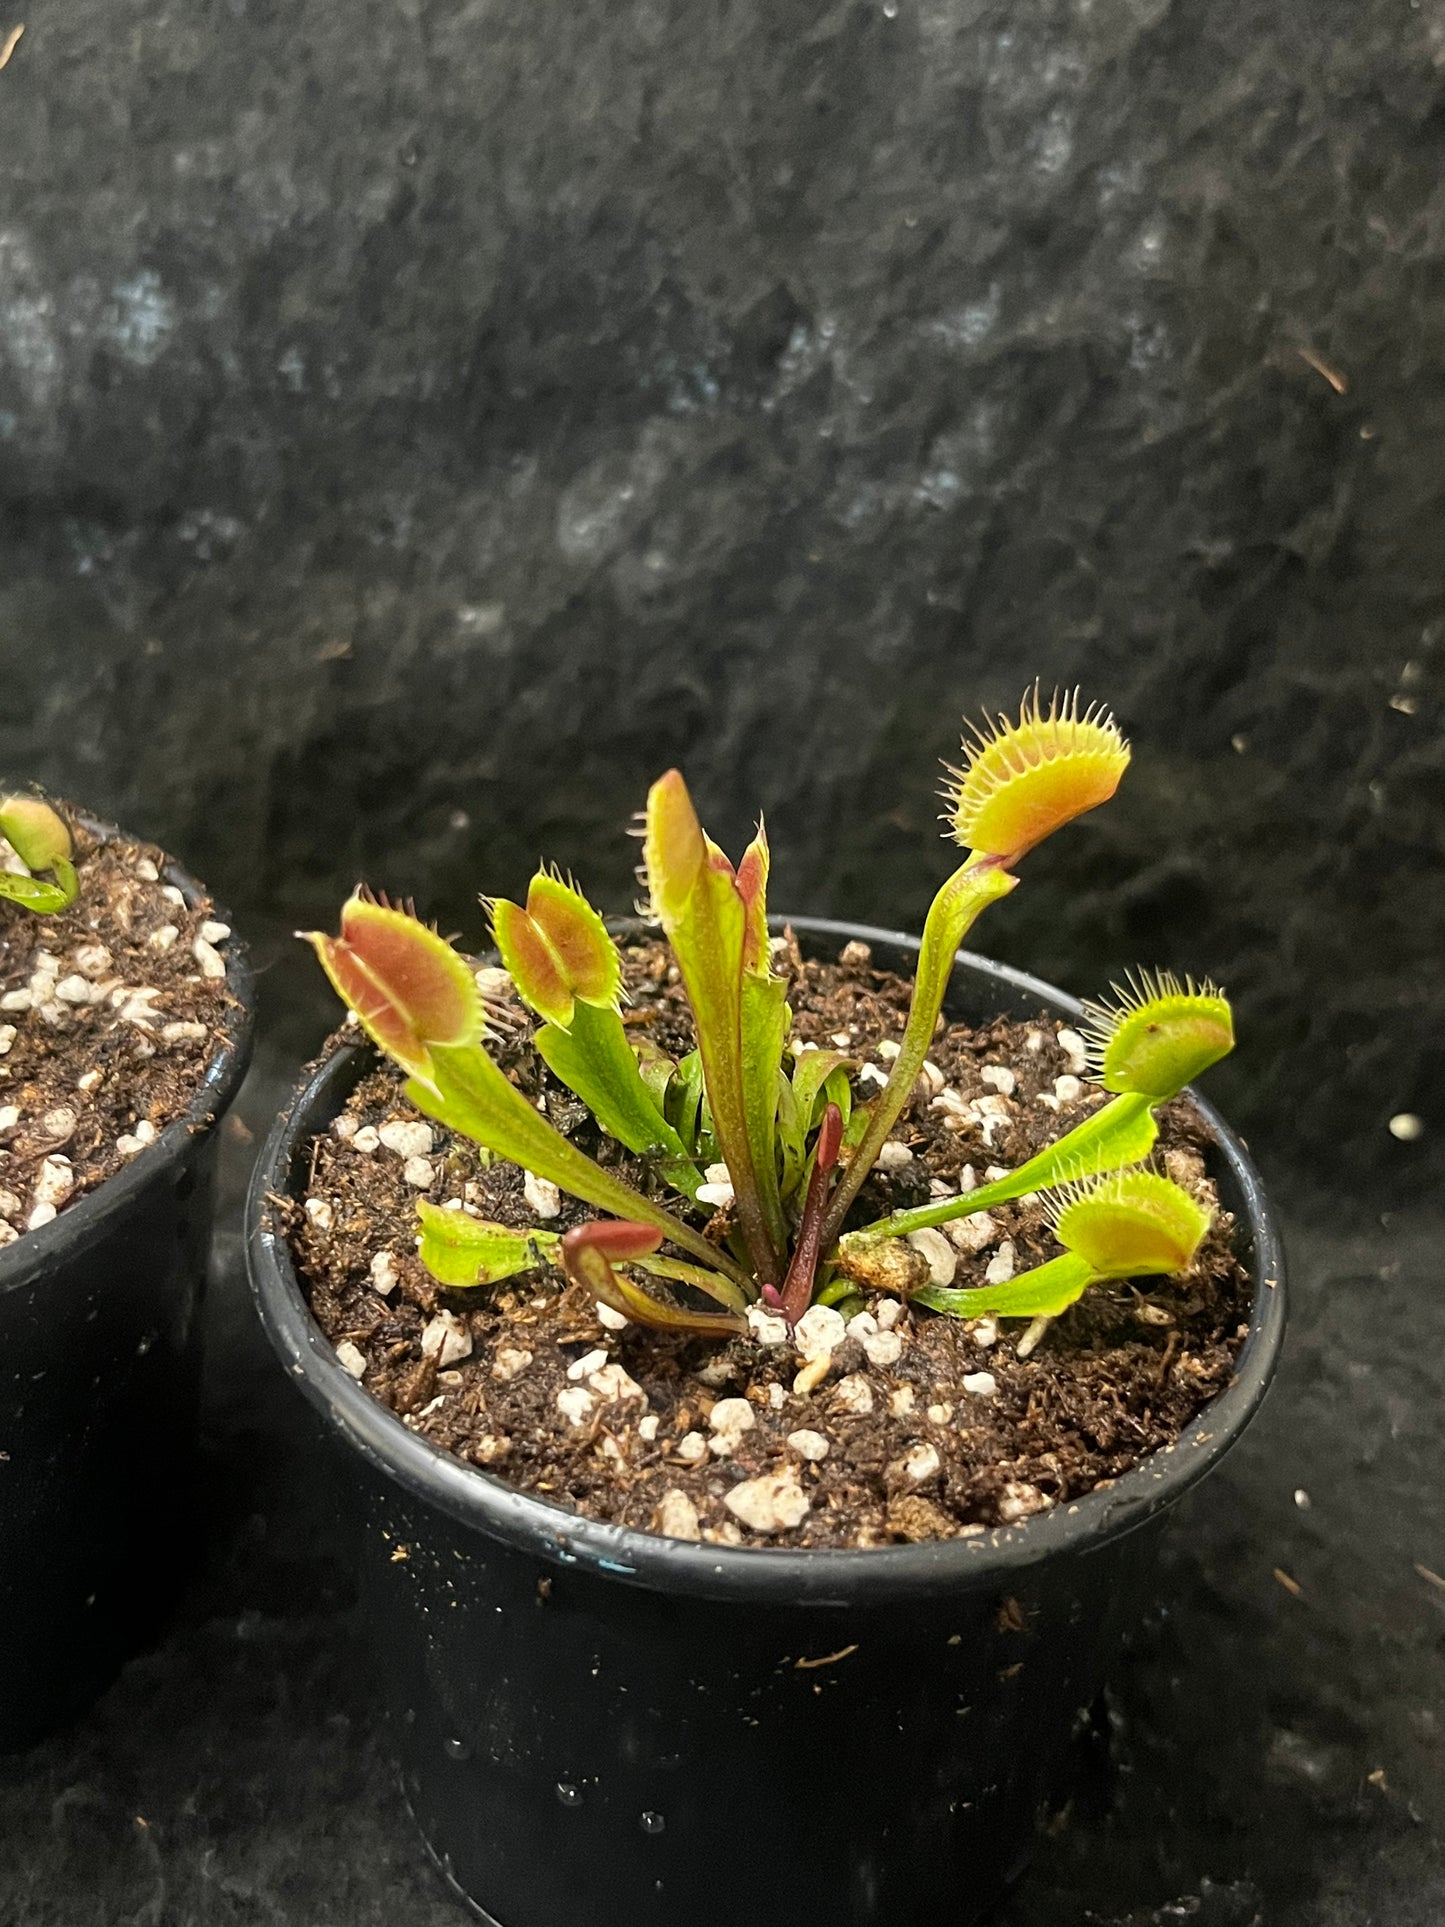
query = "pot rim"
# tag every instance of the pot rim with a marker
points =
(86, 1221)
(818, 1577)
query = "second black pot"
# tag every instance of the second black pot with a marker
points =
(99, 1387)
(610, 1729)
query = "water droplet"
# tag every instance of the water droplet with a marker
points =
(890, 9)
(456, 1749)
(568, 1794)
(652, 1823)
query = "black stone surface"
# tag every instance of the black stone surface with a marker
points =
(420, 423)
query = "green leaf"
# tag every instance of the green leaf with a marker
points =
(1119, 1133)
(1041, 1293)
(966, 894)
(594, 1059)
(460, 1250)
(44, 898)
(468, 1093)
(684, 1102)
(811, 1071)
(696, 899)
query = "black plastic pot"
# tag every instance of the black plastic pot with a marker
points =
(609, 1729)
(99, 1384)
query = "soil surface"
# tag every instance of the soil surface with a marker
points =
(110, 1013)
(911, 1427)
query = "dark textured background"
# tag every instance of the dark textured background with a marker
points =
(420, 423)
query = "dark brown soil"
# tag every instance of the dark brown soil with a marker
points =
(918, 1446)
(107, 1024)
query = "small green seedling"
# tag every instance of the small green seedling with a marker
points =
(753, 1148)
(40, 838)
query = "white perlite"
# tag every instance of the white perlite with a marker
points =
(1019, 1501)
(184, 1031)
(163, 936)
(889, 1050)
(446, 1339)
(213, 964)
(419, 1173)
(717, 1190)
(214, 931)
(939, 1414)
(43, 1214)
(820, 1331)
(350, 1359)
(77, 990)
(574, 1402)
(9, 1116)
(900, 1403)
(1068, 1089)
(407, 1139)
(775, 1503)
(1000, 1078)
(647, 1427)
(894, 1156)
(367, 1140)
(984, 1334)
(920, 1463)
(883, 1348)
(510, 1362)
(980, 1384)
(889, 1313)
(8, 1035)
(128, 1143)
(766, 1328)
(384, 1275)
(1075, 1049)
(871, 1074)
(54, 1182)
(974, 1233)
(811, 1446)
(613, 1383)
(729, 1419)
(588, 1362)
(692, 1448)
(319, 1211)
(92, 959)
(938, 1251)
(854, 1395)
(610, 1320)
(541, 1194)
(89, 1081)
(9, 1204)
(931, 1080)
(1000, 1269)
(677, 1516)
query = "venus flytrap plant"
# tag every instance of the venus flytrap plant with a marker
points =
(41, 840)
(781, 1118)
